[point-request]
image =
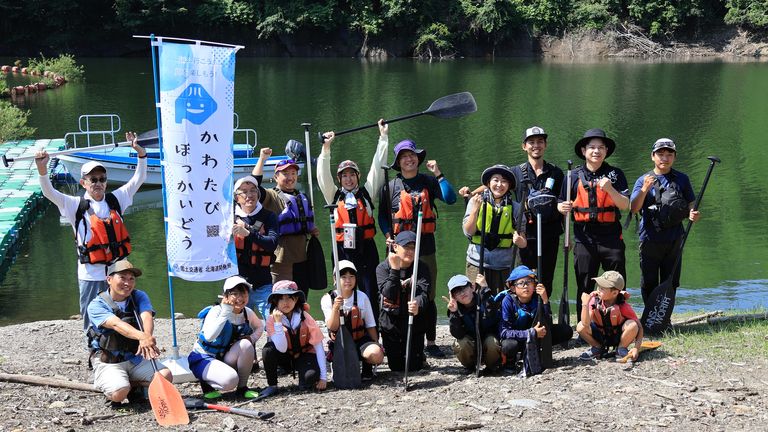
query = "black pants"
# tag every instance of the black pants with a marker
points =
(365, 258)
(656, 261)
(550, 249)
(306, 365)
(394, 346)
(301, 277)
(587, 259)
(511, 347)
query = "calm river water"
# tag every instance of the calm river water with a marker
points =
(707, 108)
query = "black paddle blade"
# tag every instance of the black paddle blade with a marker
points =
(193, 403)
(346, 364)
(451, 106)
(657, 317)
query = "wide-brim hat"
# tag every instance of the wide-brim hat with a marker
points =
(407, 145)
(500, 169)
(595, 133)
(285, 287)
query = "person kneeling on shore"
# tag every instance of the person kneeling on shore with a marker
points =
(462, 313)
(295, 341)
(223, 355)
(607, 320)
(358, 317)
(517, 330)
(120, 350)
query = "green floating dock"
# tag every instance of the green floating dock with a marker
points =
(21, 201)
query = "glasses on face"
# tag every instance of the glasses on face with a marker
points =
(102, 179)
(528, 283)
(251, 192)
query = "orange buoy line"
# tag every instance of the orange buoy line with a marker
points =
(22, 90)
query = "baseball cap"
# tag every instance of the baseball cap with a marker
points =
(534, 131)
(285, 164)
(246, 179)
(90, 166)
(405, 237)
(663, 143)
(121, 266)
(458, 281)
(520, 272)
(233, 281)
(610, 279)
(347, 164)
(347, 264)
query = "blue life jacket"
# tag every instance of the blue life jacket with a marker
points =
(297, 217)
(229, 334)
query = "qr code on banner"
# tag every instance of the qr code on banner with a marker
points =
(212, 230)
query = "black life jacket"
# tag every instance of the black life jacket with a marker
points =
(111, 341)
(670, 208)
(548, 211)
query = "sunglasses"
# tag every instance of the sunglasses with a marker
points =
(102, 179)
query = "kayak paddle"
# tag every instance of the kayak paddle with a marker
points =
(451, 106)
(563, 313)
(414, 281)
(199, 404)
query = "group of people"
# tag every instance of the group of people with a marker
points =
(517, 211)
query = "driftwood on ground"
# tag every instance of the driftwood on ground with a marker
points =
(46, 381)
(738, 318)
(698, 318)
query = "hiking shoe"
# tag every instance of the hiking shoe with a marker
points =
(433, 351)
(591, 354)
(246, 393)
(138, 395)
(367, 373)
(621, 352)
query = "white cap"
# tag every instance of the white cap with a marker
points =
(234, 281)
(458, 281)
(346, 264)
(246, 179)
(90, 166)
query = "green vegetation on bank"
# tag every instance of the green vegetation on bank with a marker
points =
(63, 65)
(414, 26)
(13, 123)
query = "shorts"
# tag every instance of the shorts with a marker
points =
(198, 362)
(111, 377)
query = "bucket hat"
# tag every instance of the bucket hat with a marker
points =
(407, 145)
(284, 287)
(501, 169)
(595, 133)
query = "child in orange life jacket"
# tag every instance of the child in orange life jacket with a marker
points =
(255, 234)
(599, 192)
(223, 354)
(295, 217)
(462, 311)
(358, 317)
(517, 329)
(608, 320)
(354, 203)
(397, 213)
(295, 341)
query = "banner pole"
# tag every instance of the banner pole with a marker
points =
(156, 86)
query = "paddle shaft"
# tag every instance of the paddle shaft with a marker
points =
(309, 163)
(519, 227)
(414, 280)
(564, 314)
(240, 411)
(481, 270)
(388, 201)
(335, 254)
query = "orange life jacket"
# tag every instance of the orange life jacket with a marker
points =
(592, 204)
(608, 319)
(406, 216)
(353, 319)
(365, 223)
(299, 339)
(250, 252)
(109, 237)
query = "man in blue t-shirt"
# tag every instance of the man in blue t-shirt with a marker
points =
(121, 351)
(664, 197)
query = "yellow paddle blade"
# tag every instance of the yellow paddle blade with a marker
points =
(645, 346)
(167, 404)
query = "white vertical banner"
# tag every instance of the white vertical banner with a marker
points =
(197, 97)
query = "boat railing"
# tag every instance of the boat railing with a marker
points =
(94, 129)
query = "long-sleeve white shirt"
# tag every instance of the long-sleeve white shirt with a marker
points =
(373, 183)
(219, 315)
(68, 204)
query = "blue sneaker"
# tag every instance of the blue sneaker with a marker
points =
(591, 354)
(621, 352)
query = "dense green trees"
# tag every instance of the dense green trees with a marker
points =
(414, 26)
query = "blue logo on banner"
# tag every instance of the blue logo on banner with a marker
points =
(195, 105)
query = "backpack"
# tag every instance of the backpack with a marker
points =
(670, 207)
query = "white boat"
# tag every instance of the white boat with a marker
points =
(120, 161)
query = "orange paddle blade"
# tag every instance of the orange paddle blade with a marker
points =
(645, 346)
(167, 404)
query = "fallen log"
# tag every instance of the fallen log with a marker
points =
(45, 381)
(698, 318)
(738, 318)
